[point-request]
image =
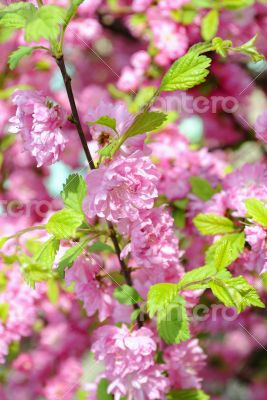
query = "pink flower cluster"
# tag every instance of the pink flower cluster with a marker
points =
(39, 121)
(95, 293)
(129, 363)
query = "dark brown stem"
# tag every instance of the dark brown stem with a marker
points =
(76, 120)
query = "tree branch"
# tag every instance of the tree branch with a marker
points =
(76, 120)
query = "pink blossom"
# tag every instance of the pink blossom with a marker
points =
(83, 29)
(140, 60)
(129, 363)
(141, 5)
(121, 189)
(130, 79)
(184, 363)
(261, 127)
(89, 287)
(39, 121)
(152, 239)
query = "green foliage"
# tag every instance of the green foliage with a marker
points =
(47, 253)
(172, 322)
(213, 224)
(221, 46)
(105, 120)
(15, 57)
(109, 150)
(70, 256)
(3, 240)
(234, 244)
(209, 25)
(235, 4)
(257, 210)
(197, 278)
(74, 191)
(45, 24)
(38, 23)
(159, 296)
(4, 309)
(250, 50)
(201, 188)
(100, 247)
(63, 224)
(236, 292)
(102, 389)
(71, 11)
(52, 291)
(187, 394)
(126, 294)
(143, 97)
(145, 122)
(187, 72)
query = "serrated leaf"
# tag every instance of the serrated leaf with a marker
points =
(12, 21)
(209, 25)
(159, 296)
(70, 256)
(74, 192)
(45, 23)
(47, 252)
(187, 394)
(201, 188)
(63, 224)
(196, 278)
(126, 294)
(16, 15)
(187, 72)
(100, 247)
(74, 5)
(102, 390)
(236, 292)
(145, 122)
(213, 224)
(15, 57)
(172, 322)
(235, 242)
(105, 120)
(257, 210)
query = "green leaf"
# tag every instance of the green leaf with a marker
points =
(70, 256)
(172, 322)
(142, 98)
(71, 11)
(159, 296)
(16, 15)
(102, 389)
(187, 394)
(15, 57)
(209, 25)
(145, 122)
(257, 210)
(110, 149)
(126, 294)
(221, 46)
(4, 309)
(187, 72)
(100, 247)
(45, 24)
(250, 50)
(135, 314)
(236, 292)
(63, 224)
(105, 120)
(47, 253)
(236, 4)
(196, 278)
(213, 224)
(52, 291)
(74, 191)
(234, 244)
(201, 188)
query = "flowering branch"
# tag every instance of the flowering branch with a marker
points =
(76, 120)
